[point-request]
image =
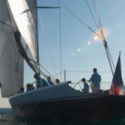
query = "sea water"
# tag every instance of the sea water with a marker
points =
(8, 118)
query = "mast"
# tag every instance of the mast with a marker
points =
(37, 34)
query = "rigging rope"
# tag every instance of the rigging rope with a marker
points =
(99, 28)
(80, 20)
(92, 15)
(46, 71)
(41, 71)
(101, 33)
(88, 71)
(6, 24)
(99, 21)
(5, 89)
(60, 43)
(58, 73)
(47, 44)
(111, 58)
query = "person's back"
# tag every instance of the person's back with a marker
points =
(39, 80)
(49, 80)
(44, 83)
(86, 87)
(32, 87)
(96, 79)
(28, 87)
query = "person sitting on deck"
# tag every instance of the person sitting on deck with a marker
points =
(40, 81)
(95, 79)
(57, 81)
(22, 90)
(86, 86)
(28, 87)
(38, 86)
(32, 87)
(49, 80)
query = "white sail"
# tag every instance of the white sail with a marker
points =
(11, 63)
(25, 14)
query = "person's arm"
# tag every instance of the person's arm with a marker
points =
(84, 88)
(90, 79)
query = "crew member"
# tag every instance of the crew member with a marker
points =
(95, 79)
(86, 86)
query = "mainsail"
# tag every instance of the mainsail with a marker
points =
(11, 63)
(25, 14)
(18, 34)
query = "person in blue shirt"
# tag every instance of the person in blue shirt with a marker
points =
(40, 81)
(28, 87)
(86, 86)
(32, 87)
(22, 90)
(95, 79)
(49, 80)
(57, 81)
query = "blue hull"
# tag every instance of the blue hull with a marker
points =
(91, 107)
(77, 109)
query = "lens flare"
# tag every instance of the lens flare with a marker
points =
(96, 38)
(117, 25)
(89, 42)
(105, 32)
(79, 49)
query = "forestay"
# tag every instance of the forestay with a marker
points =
(11, 63)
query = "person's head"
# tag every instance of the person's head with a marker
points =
(94, 70)
(31, 85)
(57, 81)
(28, 85)
(36, 76)
(22, 88)
(48, 78)
(83, 79)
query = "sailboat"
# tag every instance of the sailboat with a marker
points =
(55, 102)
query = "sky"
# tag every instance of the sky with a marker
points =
(81, 50)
